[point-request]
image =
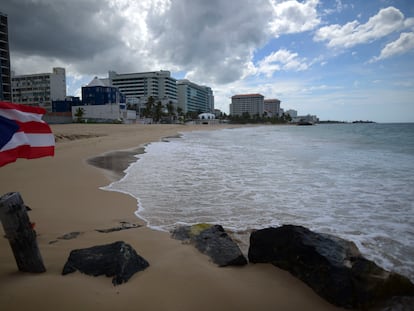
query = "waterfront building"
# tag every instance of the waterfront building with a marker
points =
(293, 113)
(141, 85)
(111, 113)
(272, 107)
(253, 104)
(5, 77)
(62, 110)
(39, 89)
(194, 98)
(66, 104)
(99, 92)
(308, 119)
(206, 116)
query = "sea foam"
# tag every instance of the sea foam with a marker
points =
(345, 180)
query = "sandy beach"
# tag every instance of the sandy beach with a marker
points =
(63, 193)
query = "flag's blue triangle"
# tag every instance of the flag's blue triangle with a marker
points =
(7, 129)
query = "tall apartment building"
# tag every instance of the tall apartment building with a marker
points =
(272, 107)
(253, 104)
(39, 89)
(5, 78)
(141, 85)
(194, 98)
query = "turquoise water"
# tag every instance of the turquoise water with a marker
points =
(352, 180)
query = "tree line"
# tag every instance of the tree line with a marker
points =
(245, 118)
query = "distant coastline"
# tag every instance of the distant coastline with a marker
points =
(344, 122)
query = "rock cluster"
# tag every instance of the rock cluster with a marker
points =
(331, 266)
(118, 260)
(213, 241)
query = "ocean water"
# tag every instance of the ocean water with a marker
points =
(355, 181)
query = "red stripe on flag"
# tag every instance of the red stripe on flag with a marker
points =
(34, 127)
(29, 109)
(33, 139)
(38, 152)
(25, 151)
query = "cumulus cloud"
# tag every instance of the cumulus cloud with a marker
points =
(385, 22)
(281, 60)
(292, 16)
(402, 45)
(213, 39)
(210, 41)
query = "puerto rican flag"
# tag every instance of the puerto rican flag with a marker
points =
(23, 133)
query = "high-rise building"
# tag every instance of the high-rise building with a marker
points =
(139, 86)
(5, 80)
(272, 107)
(253, 104)
(194, 98)
(39, 89)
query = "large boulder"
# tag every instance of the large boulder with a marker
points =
(213, 241)
(118, 260)
(332, 266)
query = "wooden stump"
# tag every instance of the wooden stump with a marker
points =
(19, 232)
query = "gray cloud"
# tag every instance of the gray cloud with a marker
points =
(213, 38)
(68, 29)
(210, 40)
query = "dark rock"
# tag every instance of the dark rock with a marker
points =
(70, 235)
(187, 233)
(213, 241)
(399, 304)
(118, 260)
(332, 266)
(124, 226)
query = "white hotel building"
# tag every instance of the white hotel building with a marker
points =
(137, 87)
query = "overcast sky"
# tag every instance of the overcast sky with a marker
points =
(341, 60)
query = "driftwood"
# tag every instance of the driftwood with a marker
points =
(19, 232)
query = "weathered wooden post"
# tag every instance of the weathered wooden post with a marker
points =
(19, 232)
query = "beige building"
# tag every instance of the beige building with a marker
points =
(272, 107)
(253, 104)
(39, 89)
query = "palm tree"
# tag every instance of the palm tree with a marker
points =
(180, 111)
(79, 114)
(148, 111)
(158, 112)
(170, 108)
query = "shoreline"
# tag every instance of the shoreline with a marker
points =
(116, 162)
(65, 196)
